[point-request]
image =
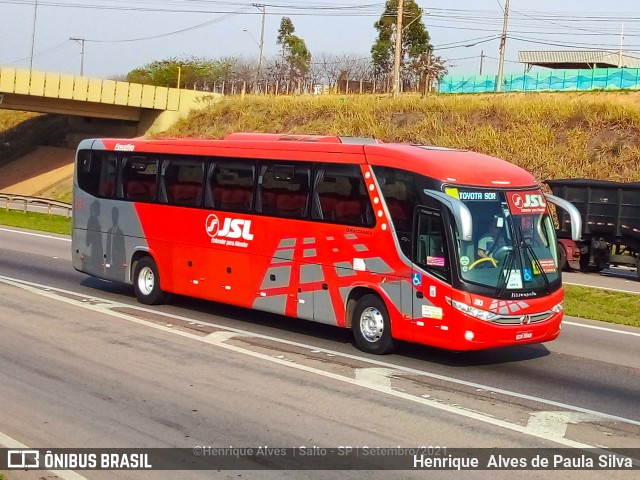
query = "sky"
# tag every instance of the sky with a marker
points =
(121, 35)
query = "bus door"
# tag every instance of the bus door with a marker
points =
(431, 276)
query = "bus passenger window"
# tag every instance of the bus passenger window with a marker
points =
(97, 173)
(139, 178)
(341, 196)
(284, 190)
(182, 181)
(230, 186)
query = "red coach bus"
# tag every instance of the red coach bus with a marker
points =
(436, 246)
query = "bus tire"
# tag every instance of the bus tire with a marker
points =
(146, 282)
(371, 326)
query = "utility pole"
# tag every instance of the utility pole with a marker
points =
(80, 41)
(503, 43)
(481, 60)
(398, 51)
(33, 34)
(621, 47)
(263, 9)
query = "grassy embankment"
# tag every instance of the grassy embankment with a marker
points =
(36, 221)
(553, 135)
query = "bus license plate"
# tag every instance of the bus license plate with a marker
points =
(524, 335)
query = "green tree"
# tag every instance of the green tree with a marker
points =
(194, 72)
(294, 51)
(415, 38)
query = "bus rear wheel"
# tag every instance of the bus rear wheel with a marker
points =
(146, 282)
(371, 326)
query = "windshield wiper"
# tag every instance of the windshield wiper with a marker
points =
(505, 273)
(534, 257)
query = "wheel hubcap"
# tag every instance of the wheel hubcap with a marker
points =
(146, 281)
(371, 324)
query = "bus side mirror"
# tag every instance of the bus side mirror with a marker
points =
(574, 215)
(460, 212)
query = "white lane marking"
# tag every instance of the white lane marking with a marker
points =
(107, 304)
(604, 329)
(554, 424)
(9, 442)
(215, 339)
(35, 234)
(375, 376)
(602, 288)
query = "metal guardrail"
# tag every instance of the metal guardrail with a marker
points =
(24, 203)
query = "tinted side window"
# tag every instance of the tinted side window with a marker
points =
(182, 181)
(284, 189)
(230, 186)
(97, 173)
(139, 178)
(341, 196)
(401, 195)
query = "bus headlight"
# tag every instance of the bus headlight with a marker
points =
(473, 311)
(557, 308)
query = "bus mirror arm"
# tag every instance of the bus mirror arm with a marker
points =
(460, 212)
(574, 214)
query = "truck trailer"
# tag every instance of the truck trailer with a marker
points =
(610, 213)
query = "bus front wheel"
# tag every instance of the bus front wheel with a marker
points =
(146, 282)
(371, 326)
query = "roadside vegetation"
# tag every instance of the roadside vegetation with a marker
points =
(553, 135)
(604, 305)
(36, 221)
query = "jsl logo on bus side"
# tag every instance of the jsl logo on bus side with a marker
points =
(231, 229)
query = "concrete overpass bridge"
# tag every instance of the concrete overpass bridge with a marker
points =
(152, 109)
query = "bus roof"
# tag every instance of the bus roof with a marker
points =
(460, 167)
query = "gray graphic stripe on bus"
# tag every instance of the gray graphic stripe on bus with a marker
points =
(323, 308)
(309, 252)
(282, 255)
(392, 289)
(308, 241)
(344, 269)
(350, 236)
(282, 277)
(287, 243)
(275, 304)
(330, 238)
(106, 233)
(311, 273)
(360, 247)
(305, 305)
(377, 265)
(344, 293)
(407, 297)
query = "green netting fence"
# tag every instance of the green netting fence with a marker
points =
(553, 80)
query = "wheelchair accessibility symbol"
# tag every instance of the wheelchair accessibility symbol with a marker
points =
(528, 275)
(417, 279)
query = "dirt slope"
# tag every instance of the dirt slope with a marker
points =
(44, 172)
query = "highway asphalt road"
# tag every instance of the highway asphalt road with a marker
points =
(622, 279)
(82, 364)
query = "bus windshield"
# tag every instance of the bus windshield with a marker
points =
(513, 247)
